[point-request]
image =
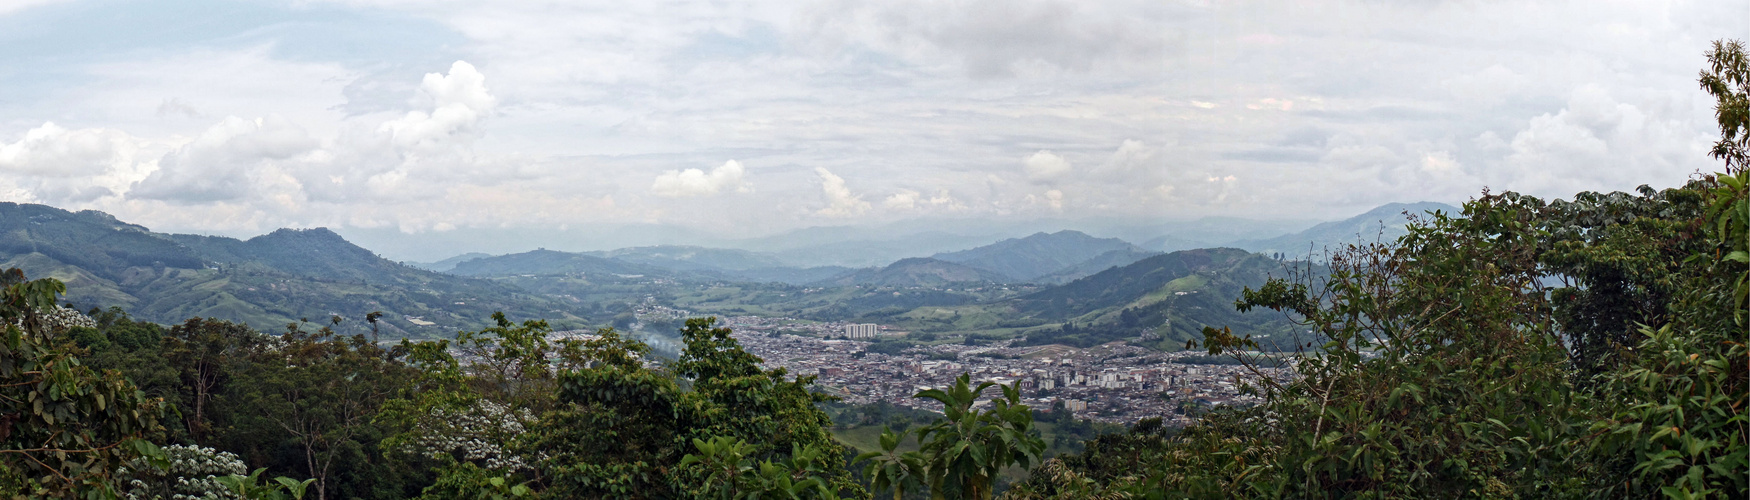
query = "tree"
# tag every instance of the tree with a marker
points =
(64, 427)
(965, 450)
(206, 352)
(320, 390)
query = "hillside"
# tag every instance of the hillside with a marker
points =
(692, 258)
(552, 262)
(448, 264)
(266, 281)
(1040, 254)
(917, 271)
(1384, 223)
(1102, 262)
(1167, 297)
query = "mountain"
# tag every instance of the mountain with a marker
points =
(266, 281)
(693, 258)
(448, 264)
(1170, 296)
(789, 275)
(1383, 224)
(916, 271)
(1040, 254)
(1102, 262)
(551, 262)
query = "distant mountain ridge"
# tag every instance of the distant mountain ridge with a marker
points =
(1384, 223)
(449, 263)
(917, 271)
(1170, 296)
(1040, 254)
(693, 258)
(550, 262)
(266, 281)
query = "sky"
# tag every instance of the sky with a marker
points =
(753, 118)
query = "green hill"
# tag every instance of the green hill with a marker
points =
(1026, 259)
(917, 271)
(1167, 299)
(266, 281)
(552, 262)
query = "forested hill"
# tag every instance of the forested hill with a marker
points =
(1166, 299)
(266, 281)
(1123, 285)
(1038, 255)
(552, 262)
(917, 272)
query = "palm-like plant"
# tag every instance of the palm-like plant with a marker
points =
(967, 448)
(890, 470)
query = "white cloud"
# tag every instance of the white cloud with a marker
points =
(227, 162)
(914, 96)
(694, 182)
(839, 199)
(905, 199)
(8, 6)
(1045, 166)
(52, 151)
(458, 101)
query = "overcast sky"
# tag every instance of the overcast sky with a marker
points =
(240, 117)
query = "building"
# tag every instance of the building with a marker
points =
(861, 331)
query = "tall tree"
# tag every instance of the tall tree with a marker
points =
(64, 427)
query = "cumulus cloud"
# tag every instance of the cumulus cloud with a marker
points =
(840, 202)
(1045, 166)
(1052, 198)
(458, 101)
(694, 182)
(52, 151)
(227, 162)
(1597, 142)
(910, 199)
(905, 199)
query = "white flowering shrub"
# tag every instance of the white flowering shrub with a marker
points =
(477, 434)
(61, 319)
(191, 475)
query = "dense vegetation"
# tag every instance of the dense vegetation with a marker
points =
(1584, 348)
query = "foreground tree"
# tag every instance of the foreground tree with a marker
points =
(64, 427)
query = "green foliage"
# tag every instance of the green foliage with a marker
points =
(622, 428)
(314, 394)
(961, 454)
(252, 487)
(726, 471)
(64, 427)
(1592, 348)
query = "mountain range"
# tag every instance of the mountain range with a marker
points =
(1382, 224)
(267, 281)
(1027, 259)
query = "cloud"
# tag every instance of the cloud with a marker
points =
(840, 201)
(226, 161)
(1597, 142)
(1045, 166)
(458, 100)
(1004, 38)
(52, 151)
(905, 199)
(910, 199)
(693, 182)
(8, 6)
(1052, 198)
(175, 106)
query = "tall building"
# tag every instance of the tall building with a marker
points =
(861, 331)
